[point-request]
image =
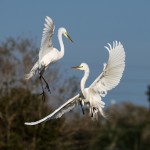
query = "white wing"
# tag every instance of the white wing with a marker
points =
(66, 107)
(48, 32)
(112, 71)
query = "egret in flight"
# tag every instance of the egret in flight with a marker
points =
(48, 54)
(92, 96)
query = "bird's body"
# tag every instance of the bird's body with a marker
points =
(44, 62)
(48, 54)
(92, 96)
(52, 56)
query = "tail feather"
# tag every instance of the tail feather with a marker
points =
(96, 108)
(32, 72)
(28, 76)
(102, 113)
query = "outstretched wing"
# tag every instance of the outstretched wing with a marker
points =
(48, 32)
(66, 107)
(112, 71)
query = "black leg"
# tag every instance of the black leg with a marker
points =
(81, 107)
(41, 75)
(41, 71)
(92, 115)
(47, 86)
(43, 93)
(91, 110)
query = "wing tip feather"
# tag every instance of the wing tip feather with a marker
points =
(29, 123)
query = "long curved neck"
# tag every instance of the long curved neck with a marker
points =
(61, 52)
(83, 81)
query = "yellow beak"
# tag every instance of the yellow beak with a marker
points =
(76, 67)
(68, 37)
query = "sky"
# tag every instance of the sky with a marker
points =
(91, 25)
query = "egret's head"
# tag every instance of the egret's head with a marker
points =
(64, 32)
(83, 66)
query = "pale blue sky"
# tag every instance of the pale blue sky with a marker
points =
(91, 24)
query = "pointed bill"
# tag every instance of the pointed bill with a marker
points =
(68, 37)
(76, 67)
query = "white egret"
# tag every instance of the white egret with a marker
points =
(48, 54)
(92, 96)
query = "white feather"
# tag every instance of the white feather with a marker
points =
(112, 71)
(66, 107)
(32, 72)
(46, 41)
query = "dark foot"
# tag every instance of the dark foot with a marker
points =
(43, 96)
